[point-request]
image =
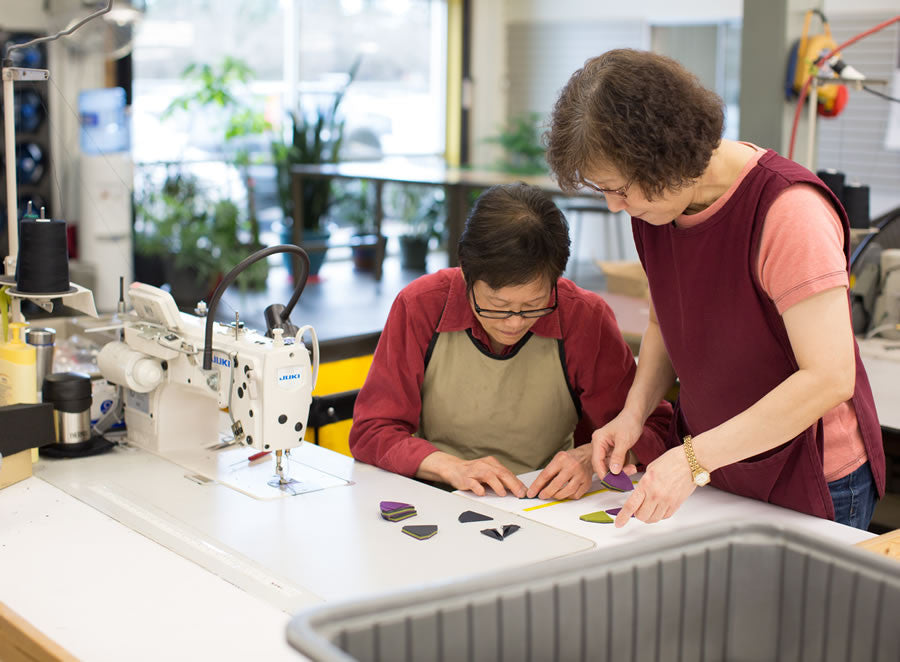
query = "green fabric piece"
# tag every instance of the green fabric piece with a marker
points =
(599, 517)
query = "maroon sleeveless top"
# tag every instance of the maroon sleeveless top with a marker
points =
(728, 343)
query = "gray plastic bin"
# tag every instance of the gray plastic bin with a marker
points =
(728, 592)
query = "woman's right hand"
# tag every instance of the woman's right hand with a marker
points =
(471, 475)
(612, 444)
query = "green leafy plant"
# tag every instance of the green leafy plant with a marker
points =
(226, 234)
(354, 204)
(224, 87)
(173, 222)
(195, 235)
(523, 151)
(316, 138)
(423, 209)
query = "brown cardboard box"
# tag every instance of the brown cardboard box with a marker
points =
(625, 277)
(15, 467)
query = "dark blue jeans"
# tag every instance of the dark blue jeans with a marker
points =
(854, 498)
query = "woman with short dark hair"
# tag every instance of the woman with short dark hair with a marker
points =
(746, 253)
(484, 371)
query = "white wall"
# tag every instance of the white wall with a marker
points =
(658, 11)
(22, 15)
(490, 86)
(859, 7)
(493, 19)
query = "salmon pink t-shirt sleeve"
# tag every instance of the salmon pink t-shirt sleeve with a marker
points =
(801, 250)
(801, 253)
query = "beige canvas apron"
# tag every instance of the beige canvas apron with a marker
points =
(517, 407)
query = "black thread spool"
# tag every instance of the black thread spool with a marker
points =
(43, 260)
(856, 202)
(833, 180)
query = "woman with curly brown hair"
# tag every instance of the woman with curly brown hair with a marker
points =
(746, 253)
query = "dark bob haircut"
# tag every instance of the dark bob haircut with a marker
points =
(514, 234)
(639, 114)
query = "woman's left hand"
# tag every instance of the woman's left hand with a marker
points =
(667, 482)
(568, 476)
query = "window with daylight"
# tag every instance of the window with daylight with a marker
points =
(299, 53)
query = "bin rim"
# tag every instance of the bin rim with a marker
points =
(305, 629)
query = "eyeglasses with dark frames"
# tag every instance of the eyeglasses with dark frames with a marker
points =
(621, 192)
(506, 314)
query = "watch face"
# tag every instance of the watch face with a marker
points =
(701, 478)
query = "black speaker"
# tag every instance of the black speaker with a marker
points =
(32, 141)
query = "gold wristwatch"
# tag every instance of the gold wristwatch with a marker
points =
(701, 475)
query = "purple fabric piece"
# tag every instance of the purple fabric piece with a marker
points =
(619, 482)
(615, 511)
(390, 506)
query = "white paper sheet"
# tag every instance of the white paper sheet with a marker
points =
(705, 505)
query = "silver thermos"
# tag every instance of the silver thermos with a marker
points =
(43, 341)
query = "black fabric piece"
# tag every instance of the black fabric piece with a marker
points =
(501, 534)
(492, 533)
(420, 531)
(484, 350)
(472, 516)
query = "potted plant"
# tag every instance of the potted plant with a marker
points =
(173, 224)
(523, 151)
(423, 209)
(354, 204)
(315, 138)
(223, 88)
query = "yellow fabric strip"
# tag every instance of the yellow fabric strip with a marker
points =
(554, 503)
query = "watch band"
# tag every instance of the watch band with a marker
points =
(689, 452)
(699, 474)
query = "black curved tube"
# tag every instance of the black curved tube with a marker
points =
(235, 272)
(880, 223)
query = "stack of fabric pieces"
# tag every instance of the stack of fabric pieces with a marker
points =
(394, 511)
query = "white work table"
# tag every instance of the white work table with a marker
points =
(123, 557)
(131, 560)
(105, 592)
(882, 360)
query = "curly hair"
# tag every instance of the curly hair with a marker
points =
(638, 113)
(515, 233)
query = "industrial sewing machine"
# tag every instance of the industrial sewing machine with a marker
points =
(179, 372)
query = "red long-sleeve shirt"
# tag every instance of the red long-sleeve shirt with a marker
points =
(599, 367)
